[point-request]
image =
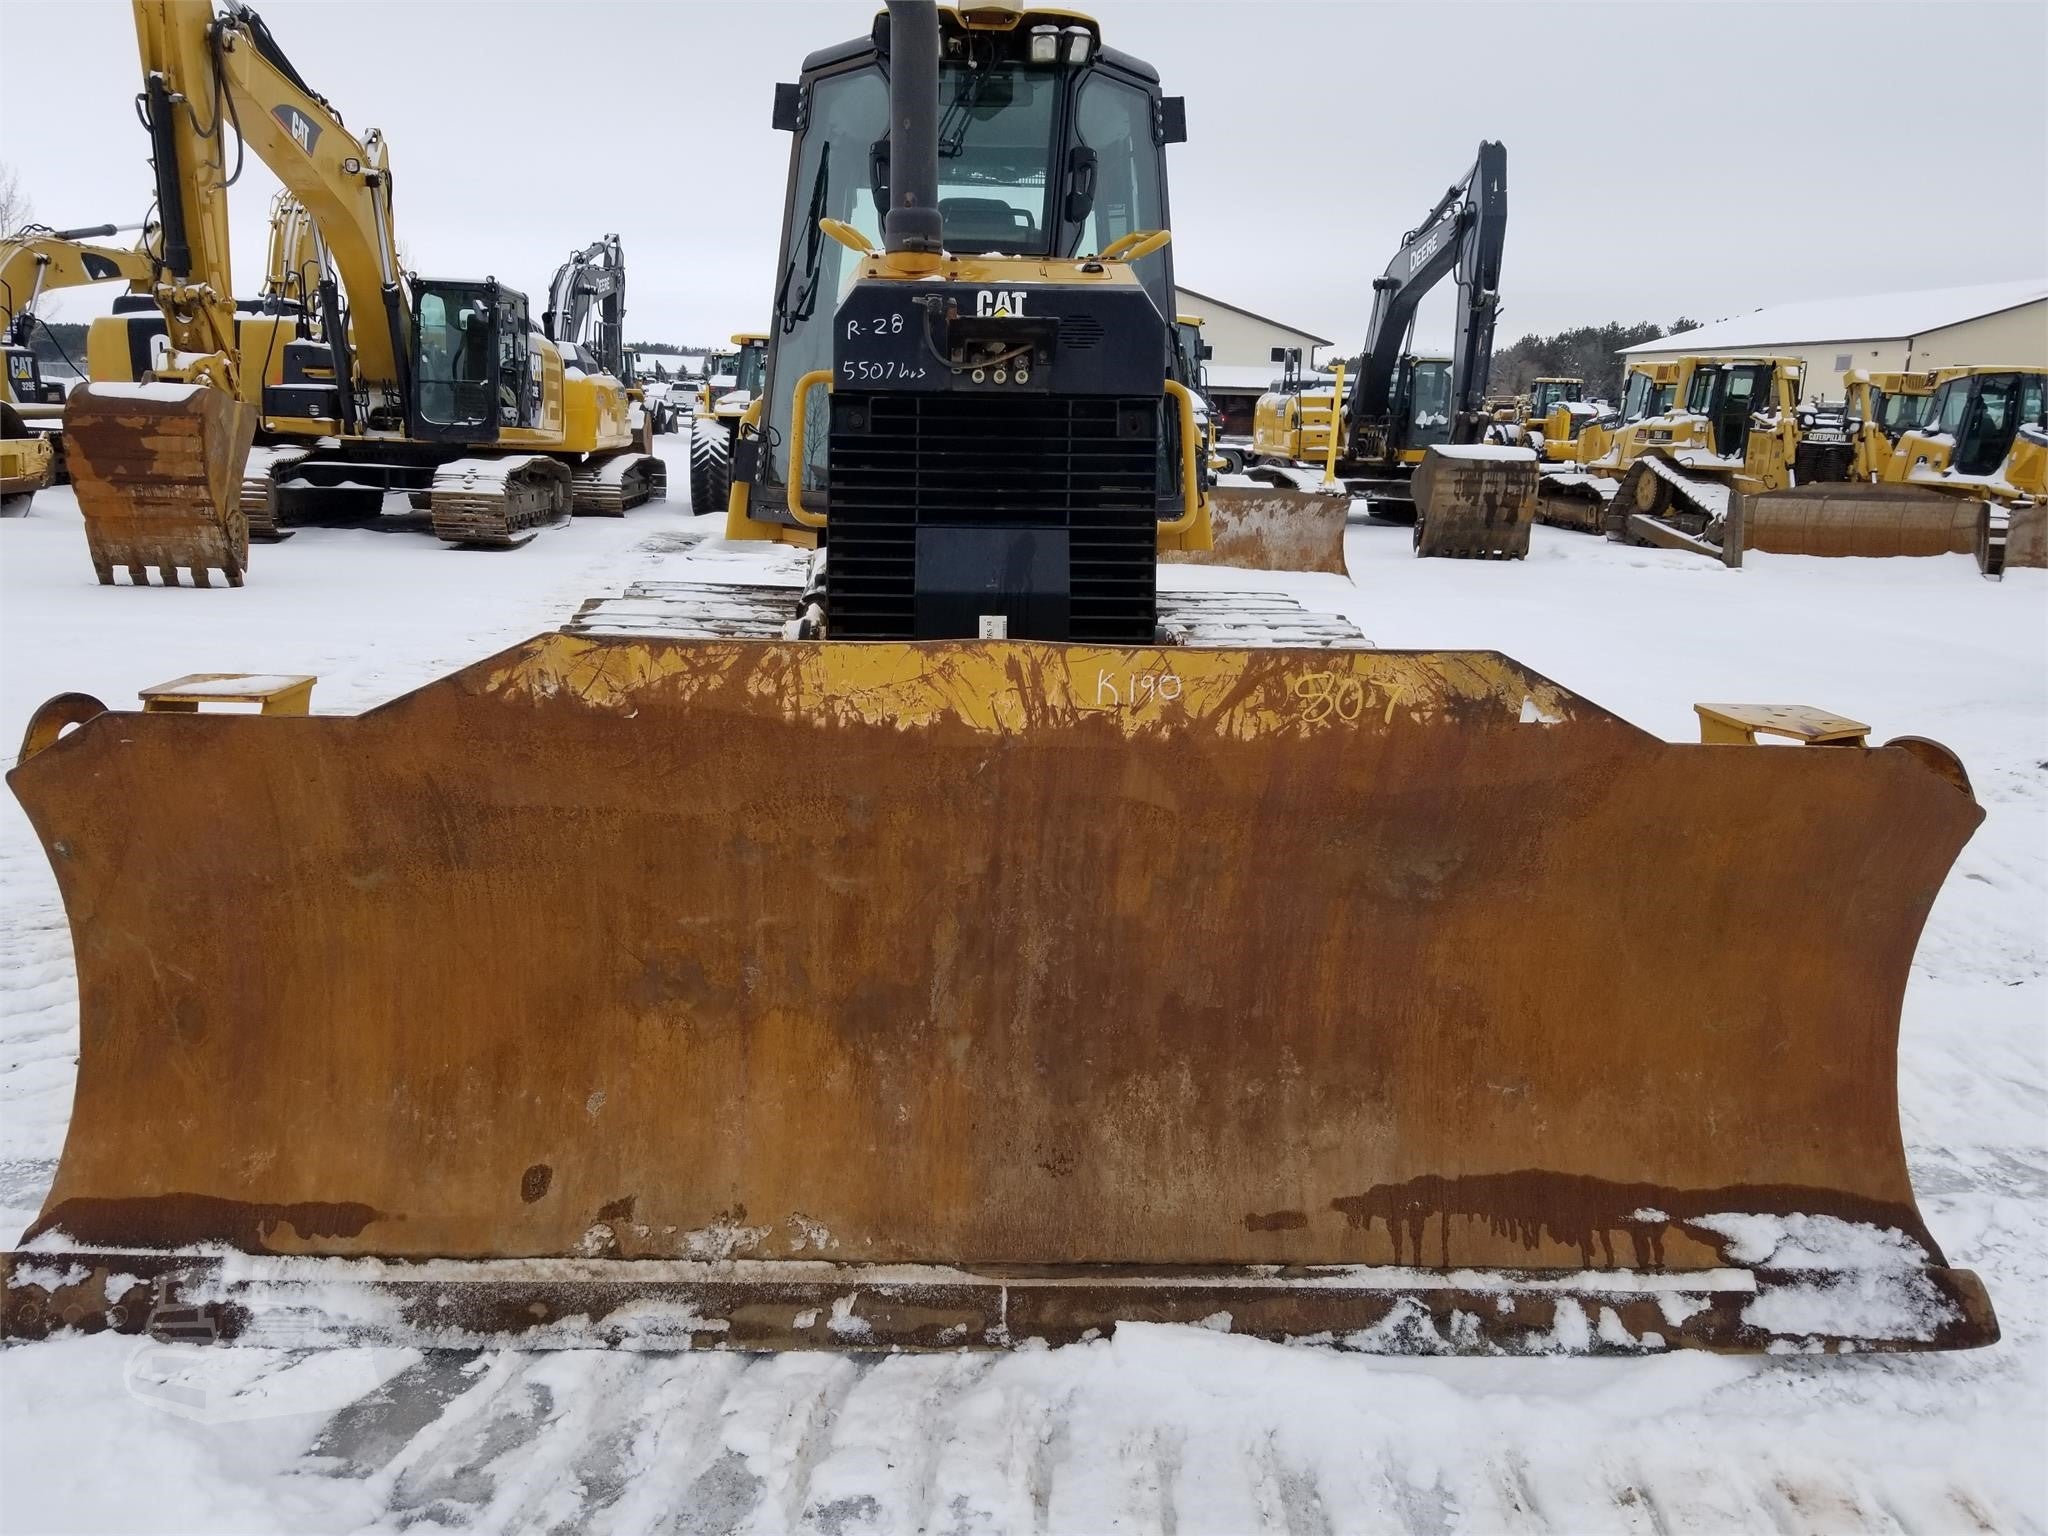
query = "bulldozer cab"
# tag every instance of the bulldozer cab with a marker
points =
(1047, 146)
(471, 367)
(1897, 411)
(1982, 412)
(1648, 393)
(1728, 396)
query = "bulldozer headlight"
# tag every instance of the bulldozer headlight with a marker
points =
(1045, 45)
(1078, 43)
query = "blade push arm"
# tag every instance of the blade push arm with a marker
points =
(1463, 233)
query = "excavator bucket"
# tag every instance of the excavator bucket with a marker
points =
(986, 991)
(158, 470)
(1475, 501)
(1273, 528)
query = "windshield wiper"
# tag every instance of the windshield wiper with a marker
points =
(807, 301)
(962, 109)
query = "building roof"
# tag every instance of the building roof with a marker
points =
(1239, 309)
(1873, 317)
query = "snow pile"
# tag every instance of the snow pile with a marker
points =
(1858, 1281)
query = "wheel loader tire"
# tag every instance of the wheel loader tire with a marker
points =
(710, 467)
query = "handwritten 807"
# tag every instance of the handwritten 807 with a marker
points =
(1329, 696)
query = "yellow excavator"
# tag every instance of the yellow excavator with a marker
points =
(1410, 433)
(444, 389)
(1015, 965)
(34, 262)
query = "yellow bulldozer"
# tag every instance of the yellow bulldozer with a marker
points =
(1744, 463)
(1409, 433)
(1012, 969)
(444, 389)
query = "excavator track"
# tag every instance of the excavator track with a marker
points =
(266, 467)
(607, 487)
(499, 503)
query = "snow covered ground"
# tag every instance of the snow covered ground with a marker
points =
(1171, 1430)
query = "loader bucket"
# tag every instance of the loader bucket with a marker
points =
(1475, 501)
(158, 471)
(812, 994)
(1270, 528)
(1861, 520)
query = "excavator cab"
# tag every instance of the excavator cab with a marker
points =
(470, 361)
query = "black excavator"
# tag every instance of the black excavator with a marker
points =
(1467, 497)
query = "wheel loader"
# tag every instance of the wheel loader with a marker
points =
(954, 955)
(441, 388)
(1409, 434)
(731, 385)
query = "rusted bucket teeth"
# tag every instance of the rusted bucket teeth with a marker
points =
(1861, 520)
(158, 471)
(1270, 528)
(1475, 501)
(980, 991)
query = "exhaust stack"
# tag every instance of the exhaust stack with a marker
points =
(912, 222)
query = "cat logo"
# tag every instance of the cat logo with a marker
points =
(304, 131)
(999, 303)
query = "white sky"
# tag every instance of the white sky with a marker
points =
(1703, 159)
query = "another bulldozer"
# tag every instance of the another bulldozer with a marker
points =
(956, 953)
(1402, 410)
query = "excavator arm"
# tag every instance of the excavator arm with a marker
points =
(158, 467)
(342, 182)
(1464, 233)
(39, 261)
(595, 275)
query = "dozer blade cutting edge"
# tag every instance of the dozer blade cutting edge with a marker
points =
(158, 471)
(813, 994)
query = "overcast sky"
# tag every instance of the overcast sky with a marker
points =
(1663, 159)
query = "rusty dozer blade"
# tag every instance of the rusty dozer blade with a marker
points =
(158, 471)
(1273, 528)
(811, 994)
(1475, 501)
(1853, 519)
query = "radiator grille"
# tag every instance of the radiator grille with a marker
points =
(1087, 464)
